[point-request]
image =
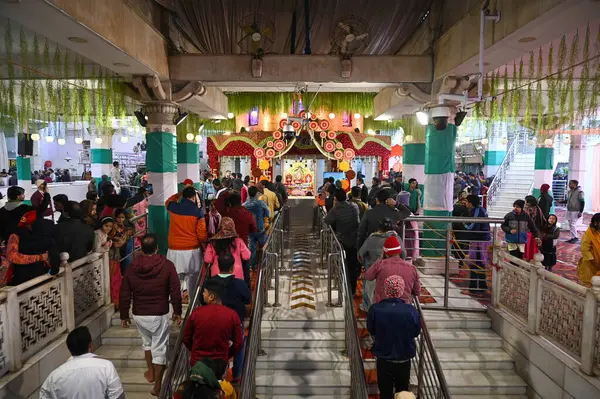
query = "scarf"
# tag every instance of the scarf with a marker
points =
(593, 236)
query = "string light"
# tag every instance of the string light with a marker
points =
(198, 138)
(35, 137)
(331, 115)
(230, 115)
(78, 140)
(50, 139)
(124, 139)
(62, 141)
(98, 140)
(357, 116)
(190, 136)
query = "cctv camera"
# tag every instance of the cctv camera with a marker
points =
(440, 122)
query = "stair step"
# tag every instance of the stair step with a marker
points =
(129, 336)
(307, 339)
(275, 396)
(484, 382)
(309, 324)
(465, 339)
(443, 319)
(133, 380)
(319, 359)
(484, 397)
(123, 356)
(303, 382)
(140, 395)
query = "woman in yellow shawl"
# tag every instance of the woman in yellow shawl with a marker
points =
(589, 264)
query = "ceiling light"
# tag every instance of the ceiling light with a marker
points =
(485, 141)
(35, 137)
(408, 139)
(254, 114)
(62, 141)
(201, 127)
(50, 139)
(98, 140)
(331, 115)
(217, 121)
(566, 140)
(141, 118)
(124, 139)
(180, 117)
(390, 120)
(198, 138)
(423, 117)
(283, 115)
(78, 140)
(230, 115)
(121, 64)
(548, 142)
(76, 39)
(527, 39)
(357, 116)
(256, 36)
(189, 136)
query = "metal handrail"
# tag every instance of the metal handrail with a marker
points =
(336, 254)
(179, 362)
(253, 343)
(501, 173)
(431, 382)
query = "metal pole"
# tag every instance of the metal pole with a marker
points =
(447, 264)
(421, 366)
(322, 254)
(276, 303)
(340, 277)
(281, 250)
(329, 287)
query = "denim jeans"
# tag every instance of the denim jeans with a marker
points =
(238, 359)
(256, 238)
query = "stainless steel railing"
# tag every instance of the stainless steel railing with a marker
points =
(336, 265)
(431, 382)
(179, 362)
(268, 267)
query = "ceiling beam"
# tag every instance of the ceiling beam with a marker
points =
(291, 69)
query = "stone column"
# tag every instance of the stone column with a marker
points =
(440, 167)
(24, 176)
(496, 150)
(577, 158)
(544, 164)
(188, 162)
(161, 163)
(101, 158)
(3, 151)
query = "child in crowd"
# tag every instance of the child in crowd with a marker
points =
(220, 369)
(201, 384)
(549, 235)
(227, 240)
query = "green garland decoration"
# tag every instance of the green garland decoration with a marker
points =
(66, 96)
(595, 83)
(505, 102)
(551, 87)
(585, 77)
(99, 99)
(540, 93)
(56, 103)
(573, 55)
(25, 99)
(562, 89)
(383, 126)
(8, 48)
(516, 93)
(529, 99)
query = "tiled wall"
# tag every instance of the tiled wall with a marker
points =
(550, 373)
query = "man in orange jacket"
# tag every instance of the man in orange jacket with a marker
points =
(187, 231)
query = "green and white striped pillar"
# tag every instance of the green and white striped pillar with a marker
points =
(440, 166)
(24, 177)
(101, 157)
(496, 150)
(544, 164)
(414, 163)
(188, 163)
(161, 163)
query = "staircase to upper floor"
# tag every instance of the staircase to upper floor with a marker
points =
(516, 183)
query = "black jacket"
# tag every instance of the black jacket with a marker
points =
(75, 237)
(237, 295)
(282, 191)
(344, 218)
(370, 221)
(12, 212)
(364, 194)
(372, 199)
(545, 204)
(36, 241)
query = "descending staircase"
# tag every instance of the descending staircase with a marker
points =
(471, 356)
(515, 184)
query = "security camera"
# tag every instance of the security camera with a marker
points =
(440, 122)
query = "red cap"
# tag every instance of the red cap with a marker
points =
(392, 246)
(188, 182)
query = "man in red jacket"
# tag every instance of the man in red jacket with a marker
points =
(150, 281)
(210, 327)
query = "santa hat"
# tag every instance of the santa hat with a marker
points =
(392, 246)
(188, 182)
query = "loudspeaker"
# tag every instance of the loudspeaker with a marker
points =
(25, 146)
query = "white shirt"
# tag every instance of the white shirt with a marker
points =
(115, 176)
(83, 377)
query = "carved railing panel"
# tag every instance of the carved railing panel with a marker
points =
(88, 288)
(514, 291)
(4, 363)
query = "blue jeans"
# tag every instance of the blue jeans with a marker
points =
(238, 359)
(256, 238)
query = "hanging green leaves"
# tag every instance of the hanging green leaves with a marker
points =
(529, 99)
(562, 89)
(551, 82)
(585, 76)
(540, 93)
(574, 53)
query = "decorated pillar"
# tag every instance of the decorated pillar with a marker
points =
(496, 148)
(577, 158)
(440, 167)
(413, 158)
(101, 157)
(24, 176)
(544, 163)
(161, 163)
(188, 162)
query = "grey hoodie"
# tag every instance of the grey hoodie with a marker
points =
(372, 248)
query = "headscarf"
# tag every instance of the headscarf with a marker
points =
(394, 287)
(226, 230)
(203, 374)
(545, 188)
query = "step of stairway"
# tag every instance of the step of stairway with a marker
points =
(485, 382)
(310, 324)
(129, 336)
(484, 397)
(459, 338)
(303, 382)
(140, 395)
(306, 339)
(123, 356)
(467, 359)
(293, 359)
(133, 380)
(443, 319)
(276, 396)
